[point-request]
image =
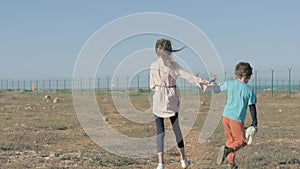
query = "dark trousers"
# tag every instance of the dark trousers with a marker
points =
(160, 132)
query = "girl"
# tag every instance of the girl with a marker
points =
(163, 74)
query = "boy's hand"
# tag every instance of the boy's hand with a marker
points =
(212, 82)
(254, 127)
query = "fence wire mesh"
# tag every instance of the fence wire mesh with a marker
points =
(263, 81)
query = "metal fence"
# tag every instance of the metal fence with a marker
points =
(263, 81)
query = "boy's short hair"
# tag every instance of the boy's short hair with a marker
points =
(243, 69)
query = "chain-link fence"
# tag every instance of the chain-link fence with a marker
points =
(272, 81)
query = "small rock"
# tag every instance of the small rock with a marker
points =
(28, 108)
(17, 153)
(56, 100)
(52, 155)
(47, 97)
(203, 103)
(105, 118)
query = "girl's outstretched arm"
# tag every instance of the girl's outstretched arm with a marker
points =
(200, 82)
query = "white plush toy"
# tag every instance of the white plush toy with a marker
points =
(250, 133)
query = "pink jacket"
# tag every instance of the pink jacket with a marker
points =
(163, 83)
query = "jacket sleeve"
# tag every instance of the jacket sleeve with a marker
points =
(190, 77)
(151, 80)
(253, 113)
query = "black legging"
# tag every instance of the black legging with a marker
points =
(160, 132)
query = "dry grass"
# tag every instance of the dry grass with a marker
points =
(40, 134)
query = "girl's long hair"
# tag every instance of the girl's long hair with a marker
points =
(167, 46)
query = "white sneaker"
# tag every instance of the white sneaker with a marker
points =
(185, 163)
(160, 166)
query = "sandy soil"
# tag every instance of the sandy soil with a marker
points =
(37, 133)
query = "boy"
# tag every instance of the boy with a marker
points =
(239, 96)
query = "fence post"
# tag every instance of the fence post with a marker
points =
(65, 86)
(277, 86)
(81, 86)
(98, 86)
(184, 87)
(259, 82)
(127, 82)
(148, 85)
(290, 75)
(255, 81)
(282, 84)
(90, 83)
(56, 85)
(37, 86)
(30, 86)
(138, 83)
(72, 84)
(272, 83)
(43, 83)
(49, 85)
(108, 86)
(118, 88)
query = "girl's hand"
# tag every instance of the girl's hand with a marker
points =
(212, 84)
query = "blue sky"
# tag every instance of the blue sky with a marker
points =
(42, 39)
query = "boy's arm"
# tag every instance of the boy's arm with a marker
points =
(216, 89)
(212, 83)
(253, 115)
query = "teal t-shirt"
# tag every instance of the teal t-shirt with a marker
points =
(239, 96)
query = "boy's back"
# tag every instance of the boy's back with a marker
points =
(239, 96)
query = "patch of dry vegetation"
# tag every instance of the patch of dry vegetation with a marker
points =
(40, 134)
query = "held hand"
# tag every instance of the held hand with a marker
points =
(251, 125)
(206, 84)
(211, 83)
(213, 78)
(254, 125)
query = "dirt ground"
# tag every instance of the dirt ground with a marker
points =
(37, 133)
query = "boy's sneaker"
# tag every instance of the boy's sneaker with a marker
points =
(232, 166)
(223, 153)
(185, 163)
(160, 166)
